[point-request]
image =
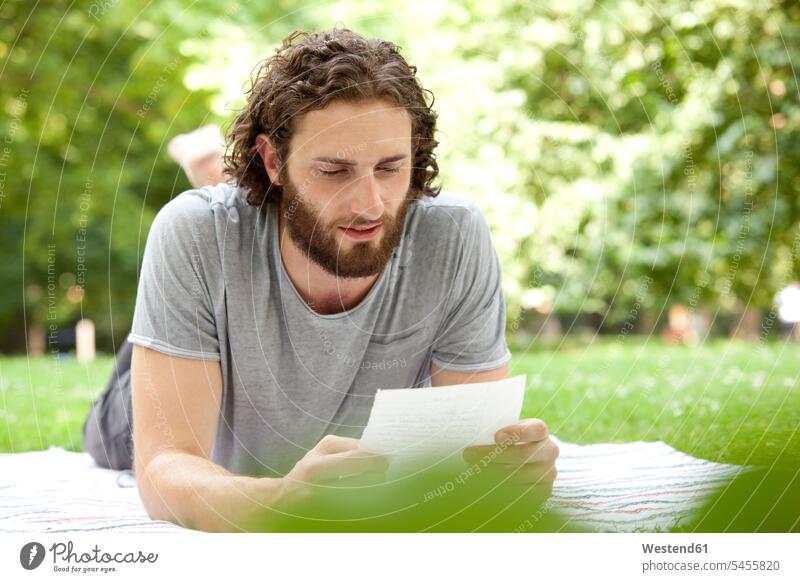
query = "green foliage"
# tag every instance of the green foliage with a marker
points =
(647, 143)
(430, 499)
(761, 500)
(91, 93)
(623, 152)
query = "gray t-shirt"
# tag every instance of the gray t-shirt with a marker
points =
(213, 286)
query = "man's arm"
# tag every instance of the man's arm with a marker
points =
(176, 407)
(444, 377)
(176, 404)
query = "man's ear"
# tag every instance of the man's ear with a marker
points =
(269, 157)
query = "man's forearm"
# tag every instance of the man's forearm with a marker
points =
(194, 492)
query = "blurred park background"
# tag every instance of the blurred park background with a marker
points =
(639, 164)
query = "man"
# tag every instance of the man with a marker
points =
(272, 307)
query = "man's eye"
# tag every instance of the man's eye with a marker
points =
(337, 172)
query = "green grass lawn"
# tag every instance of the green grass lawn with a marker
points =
(724, 401)
(729, 402)
(44, 401)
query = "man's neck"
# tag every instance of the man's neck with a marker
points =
(325, 293)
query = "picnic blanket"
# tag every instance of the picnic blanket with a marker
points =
(639, 486)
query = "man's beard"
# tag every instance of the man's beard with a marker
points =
(318, 240)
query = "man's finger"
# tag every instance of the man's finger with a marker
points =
(363, 480)
(345, 464)
(527, 430)
(332, 443)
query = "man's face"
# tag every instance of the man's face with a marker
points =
(346, 192)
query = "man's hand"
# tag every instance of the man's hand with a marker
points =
(524, 455)
(334, 461)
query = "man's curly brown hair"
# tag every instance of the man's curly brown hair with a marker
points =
(309, 74)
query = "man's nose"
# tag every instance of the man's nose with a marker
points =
(366, 201)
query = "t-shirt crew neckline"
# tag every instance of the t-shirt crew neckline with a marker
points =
(285, 279)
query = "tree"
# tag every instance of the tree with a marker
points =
(93, 92)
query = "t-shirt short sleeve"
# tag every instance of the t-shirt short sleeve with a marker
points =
(174, 312)
(472, 337)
